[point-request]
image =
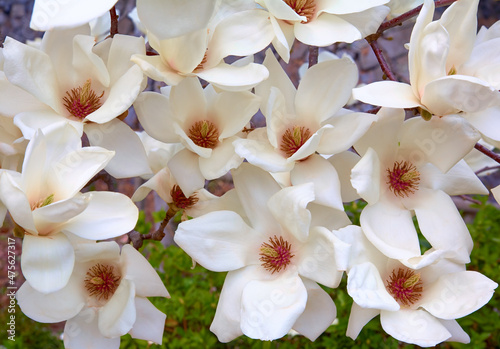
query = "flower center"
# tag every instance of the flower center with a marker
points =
(276, 254)
(180, 200)
(82, 101)
(203, 62)
(403, 179)
(293, 139)
(102, 281)
(405, 286)
(43, 202)
(304, 8)
(204, 134)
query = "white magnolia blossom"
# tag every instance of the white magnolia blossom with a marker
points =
(105, 298)
(204, 121)
(306, 120)
(45, 201)
(12, 145)
(412, 170)
(201, 53)
(74, 80)
(50, 14)
(322, 23)
(417, 306)
(274, 259)
(451, 70)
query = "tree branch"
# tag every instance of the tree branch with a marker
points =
(114, 22)
(137, 238)
(381, 60)
(488, 152)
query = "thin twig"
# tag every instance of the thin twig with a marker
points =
(468, 198)
(313, 55)
(487, 168)
(114, 22)
(381, 60)
(137, 238)
(488, 152)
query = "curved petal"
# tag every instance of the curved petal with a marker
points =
(47, 262)
(233, 110)
(269, 308)
(325, 30)
(320, 98)
(457, 333)
(282, 10)
(347, 6)
(149, 323)
(185, 168)
(485, 121)
(414, 327)
(30, 122)
(52, 307)
(107, 215)
(365, 177)
(219, 241)
(184, 53)
(222, 160)
(319, 313)
(234, 78)
(456, 295)
(16, 202)
(162, 183)
(188, 102)
(367, 289)
(390, 229)
(367, 21)
(155, 68)
(323, 175)
(343, 163)
(358, 318)
(130, 159)
(387, 94)
(138, 270)
(82, 331)
(118, 315)
(317, 258)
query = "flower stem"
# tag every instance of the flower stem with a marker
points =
(488, 152)
(114, 22)
(381, 60)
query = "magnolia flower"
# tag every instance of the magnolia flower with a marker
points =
(274, 259)
(306, 120)
(165, 185)
(201, 53)
(51, 14)
(204, 121)
(105, 298)
(12, 145)
(44, 200)
(412, 170)
(451, 70)
(322, 23)
(417, 306)
(73, 80)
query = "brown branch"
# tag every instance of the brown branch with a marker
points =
(114, 22)
(313, 55)
(381, 60)
(487, 168)
(468, 198)
(137, 238)
(488, 152)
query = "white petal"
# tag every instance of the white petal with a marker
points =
(325, 30)
(319, 171)
(270, 308)
(320, 98)
(29, 122)
(188, 102)
(82, 332)
(387, 94)
(137, 269)
(47, 262)
(155, 68)
(456, 295)
(255, 187)
(168, 19)
(107, 215)
(367, 289)
(486, 122)
(282, 10)
(391, 230)
(319, 313)
(185, 168)
(118, 315)
(52, 307)
(223, 159)
(345, 6)
(358, 318)
(457, 333)
(121, 49)
(233, 110)
(162, 182)
(149, 323)
(441, 223)
(316, 259)
(365, 177)
(234, 78)
(343, 164)
(369, 20)
(414, 327)
(15, 200)
(219, 241)
(130, 158)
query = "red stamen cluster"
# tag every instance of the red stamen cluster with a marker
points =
(204, 134)
(101, 281)
(403, 179)
(276, 254)
(180, 200)
(405, 286)
(305, 8)
(82, 101)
